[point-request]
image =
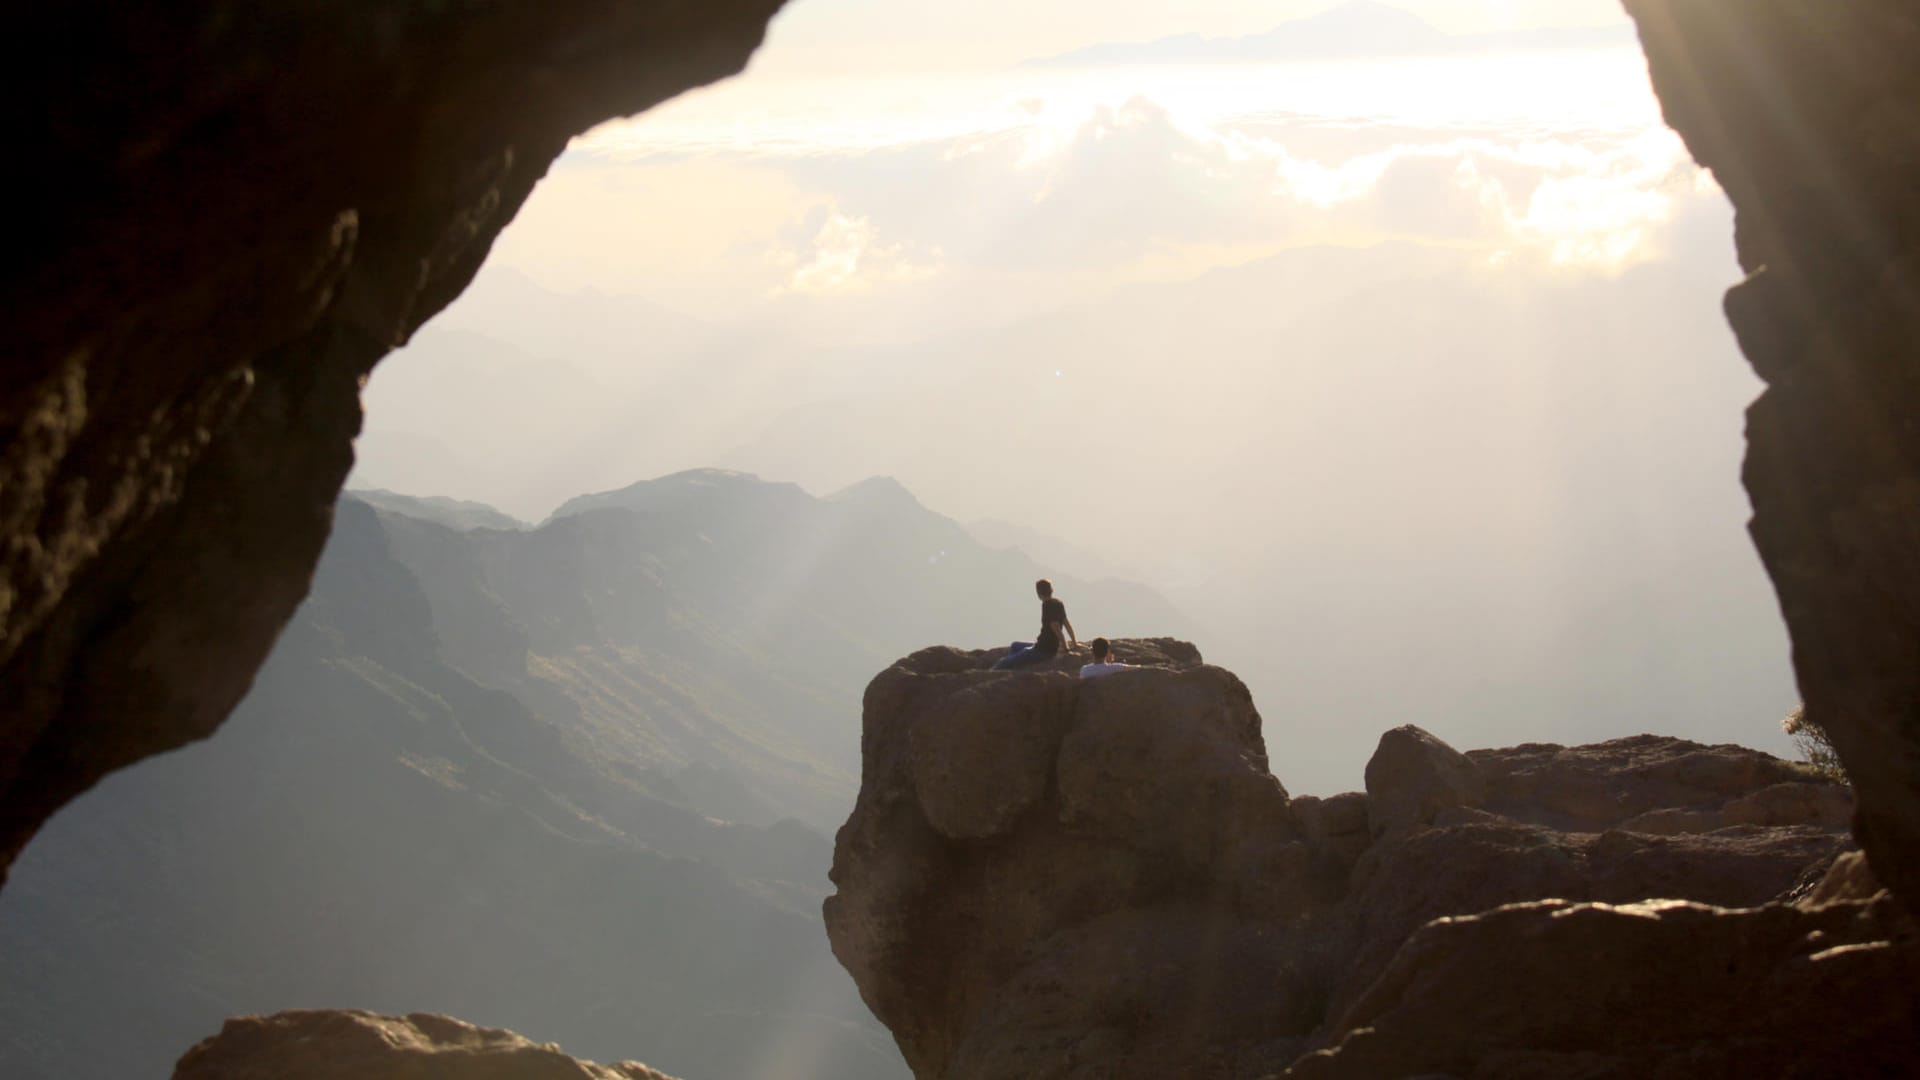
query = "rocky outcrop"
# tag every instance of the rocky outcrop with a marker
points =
(1806, 113)
(1659, 989)
(1414, 777)
(1051, 878)
(353, 1045)
(232, 212)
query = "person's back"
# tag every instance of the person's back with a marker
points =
(1103, 661)
(1053, 616)
(1055, 631)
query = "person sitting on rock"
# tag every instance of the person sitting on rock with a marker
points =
(1103, 661)
(1056, 630)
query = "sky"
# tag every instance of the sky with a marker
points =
(1403, 375)
(887, 35)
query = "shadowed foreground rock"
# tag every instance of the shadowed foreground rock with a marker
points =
(1051, 878)
(1661, 989)
(234, 211)
(354, 1045)
(1806, 113)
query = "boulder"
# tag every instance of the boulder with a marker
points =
(1606, 785)
(354, 1045)
(1822, 805)
(1413, 776)
(1662, 989)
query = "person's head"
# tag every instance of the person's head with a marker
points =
(1044, 588)
(1102, 648)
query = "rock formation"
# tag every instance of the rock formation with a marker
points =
(1658, 989)
(353, 1045)
(1051, 878)
(232, 212)
(235, 211)
(1806, 113)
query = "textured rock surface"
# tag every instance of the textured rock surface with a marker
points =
(1807, 115)
(1046, 941)
(236, 210)
(1413, 776)
(353, 1045)
(1665, 989)
(1051, 878)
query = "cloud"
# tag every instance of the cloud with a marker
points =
(843, 254)
(1028, 187)
(1129, 183)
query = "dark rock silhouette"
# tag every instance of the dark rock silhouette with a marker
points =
(1805, 115)
(235, 212)
(1414, 777)
(1045, 877)
(353, 1045)
(1663, 988)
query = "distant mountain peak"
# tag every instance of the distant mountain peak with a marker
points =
(874, 489)
(461, 514)
(708, 476)
(678, 488)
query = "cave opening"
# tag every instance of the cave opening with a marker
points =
(1381, 342)
(1382, 360)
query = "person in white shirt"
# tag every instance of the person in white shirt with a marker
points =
(1103, 661)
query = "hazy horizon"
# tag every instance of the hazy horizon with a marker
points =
(1405, 375)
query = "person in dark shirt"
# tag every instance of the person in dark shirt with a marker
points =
(1056, 633)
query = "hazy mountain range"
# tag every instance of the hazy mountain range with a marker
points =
(1360, 28)
(576, 780)
(1397, 483)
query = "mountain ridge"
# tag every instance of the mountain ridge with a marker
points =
(478, 752)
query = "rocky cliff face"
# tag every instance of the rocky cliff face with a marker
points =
(1051, 878)
(232, 212)
(1806, 113)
